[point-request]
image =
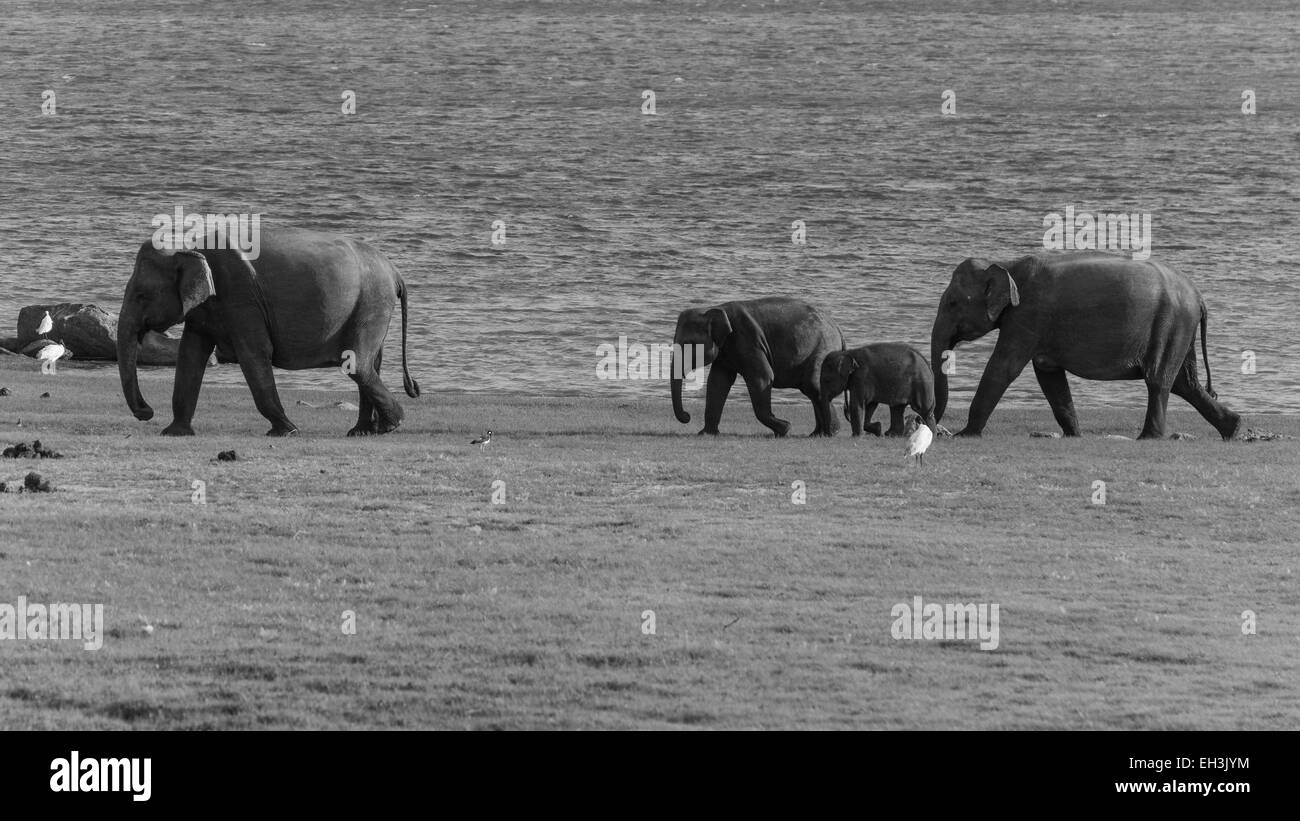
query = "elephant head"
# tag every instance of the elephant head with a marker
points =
(971, 306)
(164, 287)
(837, 367)
(702, 330)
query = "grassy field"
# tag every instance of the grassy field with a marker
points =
(529, 614)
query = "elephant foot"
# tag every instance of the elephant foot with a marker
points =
(1151, 433)
(873, 429)
(177, 429)
(971, 434)
(894, 432)
(821, 432)
(713, 432)
(361, 430)
(779, 427)
(1231, 424)
(282, 431)
(387, 426)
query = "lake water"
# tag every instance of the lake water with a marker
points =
(766, 113)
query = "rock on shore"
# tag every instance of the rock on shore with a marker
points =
(89, 332)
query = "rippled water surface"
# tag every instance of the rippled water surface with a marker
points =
(767, 113)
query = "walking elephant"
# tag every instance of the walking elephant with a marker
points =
(309, 300)
(887, 373)
(774, 342)
(1095, 315)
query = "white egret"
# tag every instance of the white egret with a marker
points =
(919, 441)
(47, 325)
(52, 352)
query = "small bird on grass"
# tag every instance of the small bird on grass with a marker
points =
(919, 441)
(483, 440)
(47, 325)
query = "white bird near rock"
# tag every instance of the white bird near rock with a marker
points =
(47, 325)
(52, 352)
(919, 441)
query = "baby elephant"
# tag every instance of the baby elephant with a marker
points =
(887, 373)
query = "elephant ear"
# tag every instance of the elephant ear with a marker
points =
(194, 280)
(1000, 291)
(719, 325)
(846, 366)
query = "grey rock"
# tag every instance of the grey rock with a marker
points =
(91, 333)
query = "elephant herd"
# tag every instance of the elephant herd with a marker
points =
(315, 300)
(1095, 315)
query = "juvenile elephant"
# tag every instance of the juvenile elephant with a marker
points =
(774, 342)
(310, 300)
(887, 374)
(1095, 315)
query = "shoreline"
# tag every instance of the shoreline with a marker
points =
(156, 380)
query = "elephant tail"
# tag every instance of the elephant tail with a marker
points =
(412, 387)
(1209, 381)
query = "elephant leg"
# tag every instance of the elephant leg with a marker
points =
(827, 425)
(1057, 390)
(255, 362)
(820, 426)
(386, 411)
(1216, 413)
(716, 389)
(191, 364)
(896, 424)
(868, 411)
(1006, 363)
(926, 413)
(760, 393)
(1157, 402)
(366, 412)
(857, 409)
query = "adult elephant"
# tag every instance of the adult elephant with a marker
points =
(310, 300)
(1095, 315)
(774, 342)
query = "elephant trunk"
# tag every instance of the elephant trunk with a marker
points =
(678, 410)
(679, 372)
(129, 332)
(940, 341)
